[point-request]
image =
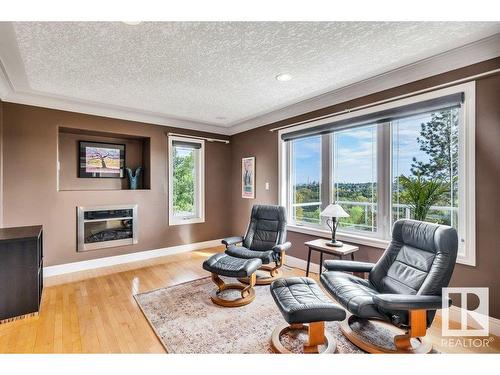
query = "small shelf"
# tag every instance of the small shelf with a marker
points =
(137, 153)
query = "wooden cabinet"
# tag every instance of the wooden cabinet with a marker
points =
(21, 271)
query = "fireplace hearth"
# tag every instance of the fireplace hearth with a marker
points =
(106, 226)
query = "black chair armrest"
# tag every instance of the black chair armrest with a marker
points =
(347, 266)
(232, 240)
(408, 302)
(282, 247)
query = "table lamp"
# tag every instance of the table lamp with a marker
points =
(333, 212)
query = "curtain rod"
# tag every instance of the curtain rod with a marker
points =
(349, 110)
(196, 137)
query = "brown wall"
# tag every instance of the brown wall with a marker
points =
(30, 142)
(263, 144)
(29, 153)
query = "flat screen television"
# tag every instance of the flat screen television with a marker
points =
(101, 160)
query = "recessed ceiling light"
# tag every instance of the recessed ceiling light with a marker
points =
(283, 77)
(132, 23)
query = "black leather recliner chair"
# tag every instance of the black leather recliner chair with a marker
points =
(265, 239)
(403, 288)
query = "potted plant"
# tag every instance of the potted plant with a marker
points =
(420, 194)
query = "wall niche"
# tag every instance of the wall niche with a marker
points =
(137, 153)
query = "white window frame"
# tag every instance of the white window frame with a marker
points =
(199, 200)
(467, 177)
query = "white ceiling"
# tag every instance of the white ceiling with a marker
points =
(214, 74)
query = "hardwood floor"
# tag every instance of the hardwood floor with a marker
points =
(95, 312)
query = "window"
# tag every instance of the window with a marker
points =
(186, 180)
(410, 158)
(306, 180)
(354, 177)
(425, 158)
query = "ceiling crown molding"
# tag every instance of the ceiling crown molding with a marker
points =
(105, 110)
(9, 94)
(481, 50)
(5, 85)
(469, 54)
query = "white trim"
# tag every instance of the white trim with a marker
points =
(383, 101)
(61, 269)
(108, 110)
(343, 236)
(14, 88)
(467, 245)
(5, 85)
(460, 57)
(200, 183)
(226, 141)
(467, 173)
(456, 312)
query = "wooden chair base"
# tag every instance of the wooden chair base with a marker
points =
(403, 343)
(317, 337)
(274, 274)
(247, 292)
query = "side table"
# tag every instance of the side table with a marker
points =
(320, 246)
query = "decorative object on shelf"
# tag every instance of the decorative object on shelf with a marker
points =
(101, 160)
(133, 177)
(333, 212)
(248, 177)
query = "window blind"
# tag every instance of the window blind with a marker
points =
(387, 115)
(186, 144)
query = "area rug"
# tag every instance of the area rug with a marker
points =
(186, 321)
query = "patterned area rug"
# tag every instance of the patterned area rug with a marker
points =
(186, 321)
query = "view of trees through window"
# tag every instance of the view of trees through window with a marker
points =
(424, 172)
(306, 166)
(425, 167)
(355, 176)
(183, 181)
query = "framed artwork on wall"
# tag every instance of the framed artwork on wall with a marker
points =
(101, 160)
(248, 177)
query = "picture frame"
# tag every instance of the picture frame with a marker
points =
(248, 177)
(101, 160)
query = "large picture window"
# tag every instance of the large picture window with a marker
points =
(412, 158)
(186, 180)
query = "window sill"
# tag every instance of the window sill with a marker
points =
(180, 221)
(347, 237)
(362, 240)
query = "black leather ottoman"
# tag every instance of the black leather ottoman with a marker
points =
(226, 265)
(301, 301)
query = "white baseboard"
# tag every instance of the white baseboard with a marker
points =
(301, 264)
(455, 313)
(455, 316)
(61, 269)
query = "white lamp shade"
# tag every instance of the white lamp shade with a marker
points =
(334, 210)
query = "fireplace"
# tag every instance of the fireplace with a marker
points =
(106, 226)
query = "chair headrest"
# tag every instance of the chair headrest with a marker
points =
(426, 236)
(268, 212)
